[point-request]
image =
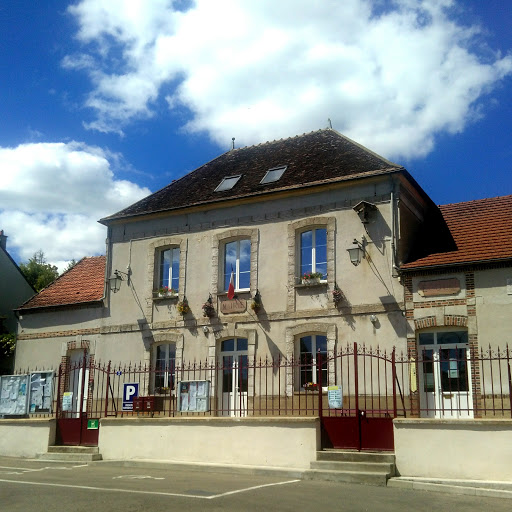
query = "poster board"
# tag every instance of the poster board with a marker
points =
(335, 397)
(194, 396)
(41, 392)
(14, 395)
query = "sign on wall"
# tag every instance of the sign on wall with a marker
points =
(14, 395)
(130, 391)
(41, 392)
(194, 396)
(335, 397)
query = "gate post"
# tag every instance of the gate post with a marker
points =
(107, 387)
(356, 389)
(57, 411)
(393, 367)
(319, 367)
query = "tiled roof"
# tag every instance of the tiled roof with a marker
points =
(482, 231)
(83, 283)
(310, 159)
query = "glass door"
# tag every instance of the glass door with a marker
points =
(234, 377)
(445, 377)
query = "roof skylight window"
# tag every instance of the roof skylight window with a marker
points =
(273, 175)
(228, 183)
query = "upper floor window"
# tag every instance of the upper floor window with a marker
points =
(170, 268)
(313, 252)
(237, 259)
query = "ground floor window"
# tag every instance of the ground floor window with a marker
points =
(165, 358)
(310, 347)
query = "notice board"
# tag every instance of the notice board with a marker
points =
(14, 395)
(41, 392)
(194, 396)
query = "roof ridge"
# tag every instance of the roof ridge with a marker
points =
(481, 200)
(279, 140)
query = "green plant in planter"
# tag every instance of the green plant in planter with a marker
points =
(165, 290)
(256, 303)
(309, 277)
(337, 295)
(183, 306)
(208, 309)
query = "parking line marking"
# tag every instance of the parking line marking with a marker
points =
(157, 493)
(237, 491)
(89, 488)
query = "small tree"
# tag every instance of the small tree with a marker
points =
(38, 272)
(7, 345)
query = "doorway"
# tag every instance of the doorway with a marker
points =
(445, 376)
(234, 381)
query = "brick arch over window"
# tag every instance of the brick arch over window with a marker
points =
(294, 333)
(225, 236)
(164, 337)
(446, 320)
(293, 253)
(152, 268)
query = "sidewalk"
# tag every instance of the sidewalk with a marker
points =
(490, 489)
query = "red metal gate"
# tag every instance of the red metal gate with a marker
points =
(369, 402)
(79, 399)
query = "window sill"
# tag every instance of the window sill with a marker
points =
(311, 285)
(158, 297)
(238, 293)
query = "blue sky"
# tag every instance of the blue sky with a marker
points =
(104, 102)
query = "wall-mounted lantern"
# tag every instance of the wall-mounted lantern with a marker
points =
(357, 252)
(115, 279)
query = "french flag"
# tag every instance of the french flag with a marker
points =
(231, 288)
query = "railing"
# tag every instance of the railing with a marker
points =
(453, 382)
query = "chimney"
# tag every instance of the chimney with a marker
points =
(3, 240)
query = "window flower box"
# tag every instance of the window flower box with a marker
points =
(166, 292)
(311, 278)
(310, 386)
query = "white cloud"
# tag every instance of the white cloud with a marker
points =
(52, 194)
(391, 79)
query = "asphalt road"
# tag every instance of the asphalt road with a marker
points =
(27, 485)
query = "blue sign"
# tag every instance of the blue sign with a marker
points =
(130, 391)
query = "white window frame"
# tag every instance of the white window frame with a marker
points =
(314, 352)
(166, 374)
(161, 276)
(313, 230)
(236, 269)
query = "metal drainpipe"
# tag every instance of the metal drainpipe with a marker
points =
(392, 201)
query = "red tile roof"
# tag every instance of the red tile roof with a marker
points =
(83, 283)
(482, 230)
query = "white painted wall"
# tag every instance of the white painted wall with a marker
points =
(276, 442)
(459, 449)
(26, 437)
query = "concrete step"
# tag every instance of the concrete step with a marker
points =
(352, 477)
(355, 456)
(386, 468)
(72, 453)
(350, 466)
